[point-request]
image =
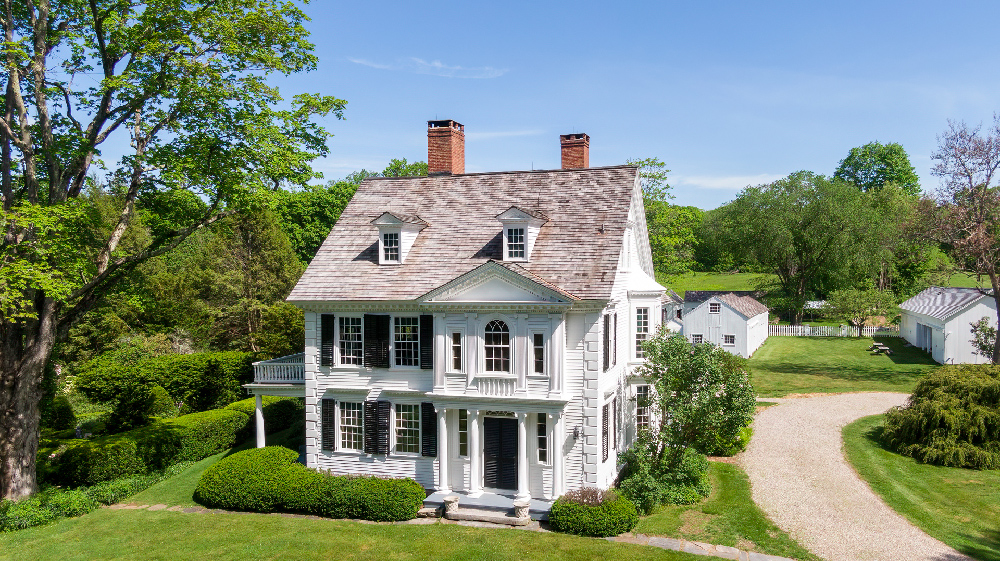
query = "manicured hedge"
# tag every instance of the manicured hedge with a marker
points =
(271, 480)
(150, 448)
(593, 512)
(43, 508)
(280, 413)
(203, 381)
(952, 419)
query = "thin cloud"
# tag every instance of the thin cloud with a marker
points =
(729, 182)
(434, 68)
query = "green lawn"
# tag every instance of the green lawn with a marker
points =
(791, 365)
(960, 507)
(713, 281)
(136, 534)
(727, 517)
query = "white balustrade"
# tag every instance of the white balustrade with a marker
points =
(283, 370)
(496, 386)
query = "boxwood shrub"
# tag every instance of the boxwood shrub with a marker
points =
(593, 512)
(43, 508)
(952, 419)
(271, 480)
(150, 448)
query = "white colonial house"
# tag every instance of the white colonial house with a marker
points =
(736, 323)
(938, 320)
(477, 332)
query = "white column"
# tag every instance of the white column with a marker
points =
(475, 456)
(556, 447)
(444, 484)
(259, 415)
(522, 456)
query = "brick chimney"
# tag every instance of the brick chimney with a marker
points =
(575, 150)
(445, 147)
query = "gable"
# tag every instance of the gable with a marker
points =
(493, 282)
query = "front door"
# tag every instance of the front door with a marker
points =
(500, 443)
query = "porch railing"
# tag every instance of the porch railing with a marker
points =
(289, 369)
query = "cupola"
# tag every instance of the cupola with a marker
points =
(520, 229)
(396, 234)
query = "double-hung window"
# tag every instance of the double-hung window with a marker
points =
(463, 432)
(515, 243)
(641, 330)
(538, 346)
(351, 347)
(456, 351)
(406, 339)
(642, 408)
(407, 428)
(390, 247)
(497, 346)
(351, 426)
(543, 441)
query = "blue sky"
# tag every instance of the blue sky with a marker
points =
(726, 93)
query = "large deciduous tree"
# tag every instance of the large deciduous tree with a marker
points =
(181, 87)
(965, 216)
(873, 165)
(671, 227)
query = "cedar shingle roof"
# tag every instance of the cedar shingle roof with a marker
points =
(942, 302)
(570, 252)
(745, 305)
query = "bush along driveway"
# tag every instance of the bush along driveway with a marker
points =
(802, 481)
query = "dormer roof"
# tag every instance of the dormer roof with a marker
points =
(519, 213)
(394, 218)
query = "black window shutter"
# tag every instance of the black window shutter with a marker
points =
(371, 426)
(329, 426)
(607, 342)
(327, 341)
(376, 341)
(428, 432)
(382, 431)
(604, 433)
(427, 342)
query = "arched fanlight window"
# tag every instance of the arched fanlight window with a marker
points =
(497, 347)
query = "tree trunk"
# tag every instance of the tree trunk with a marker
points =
(22, 365)
(995, 282)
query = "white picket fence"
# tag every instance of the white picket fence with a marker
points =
(830, 331)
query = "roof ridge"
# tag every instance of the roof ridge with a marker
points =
(556, 170)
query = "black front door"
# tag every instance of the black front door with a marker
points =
(500, 436)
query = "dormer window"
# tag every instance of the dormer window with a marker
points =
(390, 247)
(515, 244)
(520, 229)
(396, 235)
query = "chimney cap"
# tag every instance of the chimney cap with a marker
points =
(445, 123)
(574, 136)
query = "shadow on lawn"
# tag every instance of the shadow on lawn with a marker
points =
(852, 373)
(985, 547)
(901, 354)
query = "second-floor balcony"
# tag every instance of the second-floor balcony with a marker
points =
(289, 369)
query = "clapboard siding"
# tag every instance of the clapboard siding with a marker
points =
(422, 470)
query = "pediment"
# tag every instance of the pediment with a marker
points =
(492, 282)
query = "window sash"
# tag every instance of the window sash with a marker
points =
(538, 341)
(406, 341)
(729, 339)
(390, 246)
(497, 347)
(641, 330)
(456, 351)
(714, 308)
(407, 428)
(350, 340)
(352, 436)
(697, 338)
(463, 432)
(515, 243)
(642, 408)
(543, 439)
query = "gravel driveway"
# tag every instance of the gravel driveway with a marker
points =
(801, 479)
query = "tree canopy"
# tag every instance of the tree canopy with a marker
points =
(875, 164)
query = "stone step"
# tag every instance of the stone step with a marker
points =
(483, 515)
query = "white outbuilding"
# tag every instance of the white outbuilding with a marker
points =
(939, 320)
(736, 323)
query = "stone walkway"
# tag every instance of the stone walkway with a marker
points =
(695, 548)
(800, 478)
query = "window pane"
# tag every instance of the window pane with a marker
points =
(463, 432)
(714, 308)
(351, 349)
(408, 428)
(497, 346)
(641, 330)
(515, 243)
(539, 344)
(390, 247)
(543, 443)
(407, 341)
(728, 339)
(697, 339)
(351, 426)
(642, 407)
(456, 352)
